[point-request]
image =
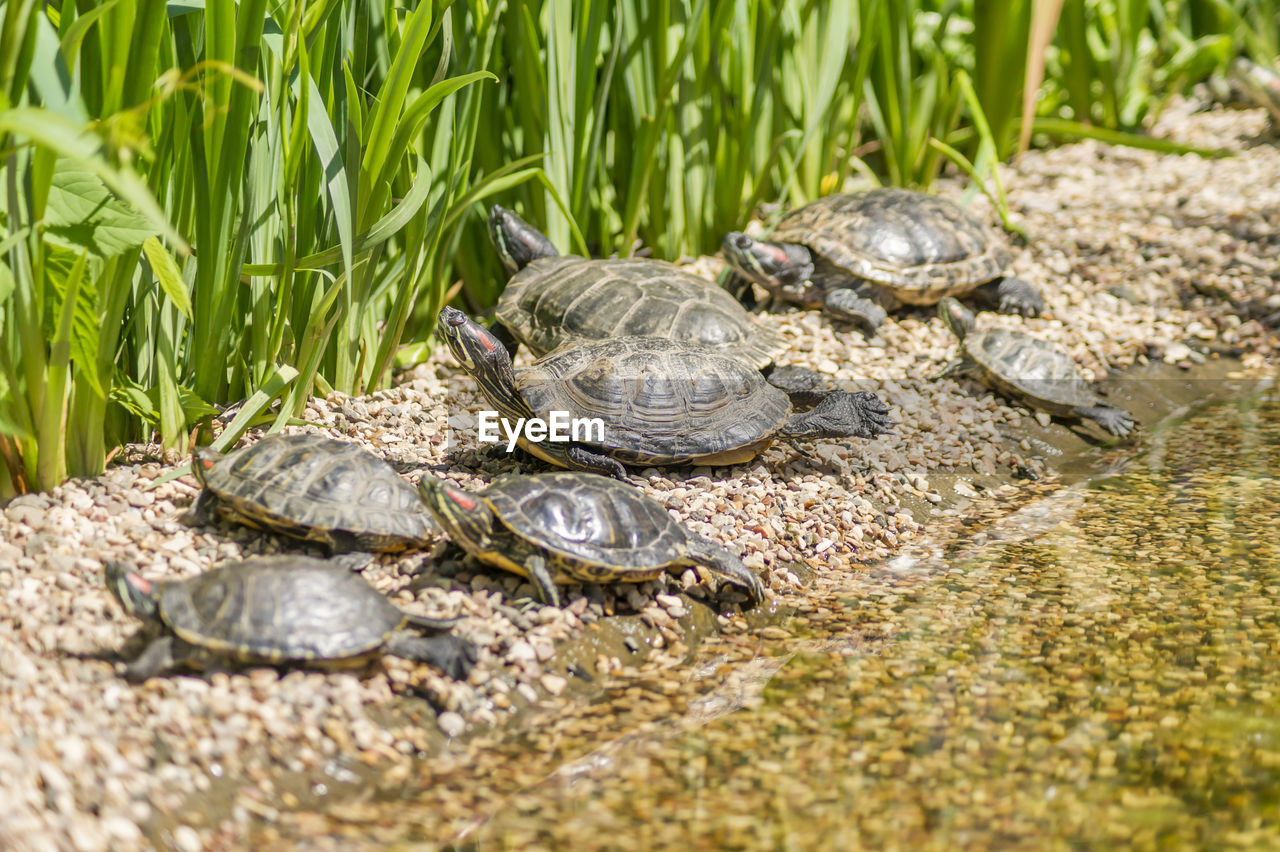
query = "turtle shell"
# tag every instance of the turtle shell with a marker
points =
(918, 246)
(279, 609)
(1030, 369)
(559, 299)
(320, 489)
(662, 401)
(592, 519)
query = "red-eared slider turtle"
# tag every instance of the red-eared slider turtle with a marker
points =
(1027, 369)
(575, 528)
(273, 611)
(853, 255)
(659, 401)
(313, 488)
(552, 300)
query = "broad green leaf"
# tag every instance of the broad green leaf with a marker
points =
(167, 274)
(134, 398)
(83, 213)
(75, 143)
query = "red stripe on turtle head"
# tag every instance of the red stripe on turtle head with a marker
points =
(462, 498)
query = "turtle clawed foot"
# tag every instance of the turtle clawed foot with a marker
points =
(1117, 421)
(874, 415)
(457, 657)
(1017, 296)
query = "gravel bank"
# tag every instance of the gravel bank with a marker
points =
(1141, 257)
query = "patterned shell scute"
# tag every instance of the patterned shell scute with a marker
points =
(919, 246)
(322, 483)
(558, 299)
(280, 608)
(590, 518)
(658, 398)
(1030, 368)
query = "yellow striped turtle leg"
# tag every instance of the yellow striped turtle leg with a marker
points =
(584, 459)
(955, 369)
(848, 305)
(725, 566)
(535, 568)
(204, 512)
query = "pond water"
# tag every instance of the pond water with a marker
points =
(1101, 669)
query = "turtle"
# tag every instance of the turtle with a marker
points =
(572, 527)
(853, 255)
(277, 610)
(1027, 369)
(552, 299)
(314, 488)
(655, 401)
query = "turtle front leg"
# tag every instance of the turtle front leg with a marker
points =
(535, 567)
(740, 287)
(204, 512)
(848, 305)
(156, 659)
(806, 388)
(1012, 295)
(955, 369)
(724, 565)
(453, 655)
(580, 458)
(1117, 421)
(841, 415)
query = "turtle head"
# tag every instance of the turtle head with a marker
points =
(467, 519)
(771, 265)
(137, 595)
(487, 361)
(202, 459)
(956, 317)
(518, 243)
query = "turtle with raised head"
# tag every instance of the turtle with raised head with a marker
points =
(569, 527)
(854, 255)
(314, 488)
(276, 611)
(658, 402)
(554, 299)
(1027, 369)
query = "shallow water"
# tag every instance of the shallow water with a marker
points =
(1099, 670)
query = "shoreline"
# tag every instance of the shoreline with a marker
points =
(1144, 259)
